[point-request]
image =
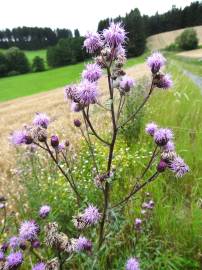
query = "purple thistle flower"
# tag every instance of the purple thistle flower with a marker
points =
(28, 230)
(87, 92)
(162, 166)
(71, 92)
(155, 62)
(115, 35)
(41, 119)
(61, 147)
(54, 141)
(165, 82)
(1, 256)
(19, 137)
(170, 146)
(39, 266)
(93, 42)
(82, 244)
(138, 223)
(179, 167)
(92, 72)
(14, 260)
(120, 52)
(35, 243)
(4, 247)
(151, 128)
(126, 83)
(14, 242)
(44, 211)
(132, 264)
(75, 107)
(162, 136)
(91, 215)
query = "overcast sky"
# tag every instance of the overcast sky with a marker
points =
(81, 14)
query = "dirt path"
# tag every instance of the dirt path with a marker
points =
(15, 113)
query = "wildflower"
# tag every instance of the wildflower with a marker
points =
(82, 244)
(115, 35)
(51, 233)
(41, 119)
(155, 62)
(91, 215)
(4, 247)
(35, 243)
(14, 242)
(44, 211)
(39, 266)
(21, 137)
(170, 146)
(178, 166)
(1, 256)
(164, 82)
(92, 72)
(76, 107)
(87, 92)
(14, 260)
(138, 223)
(92, 42)
(71, 92)
(29, 230)
(162, 166)
(53, 264)
(148, 205)
(151, 128)
(162, 136)
(126, 83)
(132, 264)
(54, 141)
(77, 122)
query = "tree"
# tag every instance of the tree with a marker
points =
(17, 60)
(188, 40)
(3, 65)
(135, 27)
(38, 64)
(76, 33)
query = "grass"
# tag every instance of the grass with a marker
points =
(32, 83)
(31, 54)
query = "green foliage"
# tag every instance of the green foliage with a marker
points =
(17, 60)
(3, 65)
(66, 52)
(38, 64)
(188, 40)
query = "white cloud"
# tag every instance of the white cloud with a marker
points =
(81, 14)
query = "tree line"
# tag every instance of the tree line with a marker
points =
(33, 38)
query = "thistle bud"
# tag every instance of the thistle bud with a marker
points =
(162, 166)
(77, 122)
(54, 141)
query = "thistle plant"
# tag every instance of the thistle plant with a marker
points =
(109, 56)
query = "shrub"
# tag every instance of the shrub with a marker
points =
(188, 40)
(17, 60)
(3, 65)
(38, 64)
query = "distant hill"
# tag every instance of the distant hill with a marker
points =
(162, 40)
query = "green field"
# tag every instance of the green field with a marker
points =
(31, 54)
(28, 84)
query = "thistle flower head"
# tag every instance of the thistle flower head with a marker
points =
(165, 82)
(2, 256)
(179, 167)
(28, 230)
(54, 141)
(92, 42)
(87, 92)
(156, 61)
(138, 224)
(114, 35)
(14, 242)
(132, 264)
(169, 147)
(162, 136)
(92, 72)
(151, 128)
(71, 92)
(126, 83)
(44, 211)
(162, 166)
(82, 244)
(19, 137)
(41, 119)
(14, 260)
(76, 107)
(91, 215)
(39, 266)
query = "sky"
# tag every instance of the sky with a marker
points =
(81, 14)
